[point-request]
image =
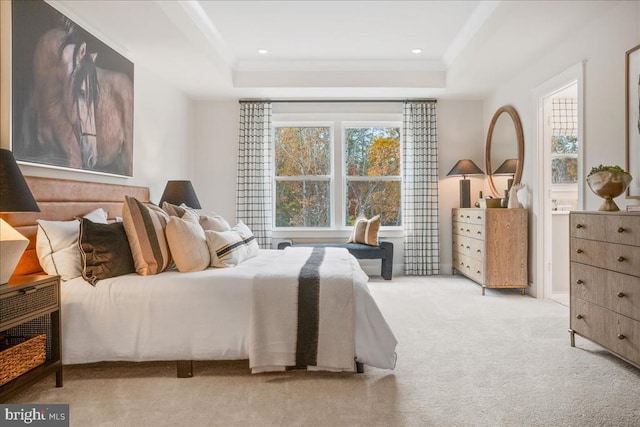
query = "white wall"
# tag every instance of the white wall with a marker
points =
(460, 135)
(602, 44)
(163, 143)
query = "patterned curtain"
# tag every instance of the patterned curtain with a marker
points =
(420, 189)
(253, 195)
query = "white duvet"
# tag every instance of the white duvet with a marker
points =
(201, 315)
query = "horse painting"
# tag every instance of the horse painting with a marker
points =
(59, 123)
(114, 123)
(72, 94)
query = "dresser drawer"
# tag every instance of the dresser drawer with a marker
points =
(470, 230)
(472, 268)
(615, 291)
(470, 216)
(472, 248)
(612, 256)
(15, 304)
(608, 227)
(614, 331)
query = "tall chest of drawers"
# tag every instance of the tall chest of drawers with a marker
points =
(490, 246)
(605, 281)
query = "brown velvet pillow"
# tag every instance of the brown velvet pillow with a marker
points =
(105, 251)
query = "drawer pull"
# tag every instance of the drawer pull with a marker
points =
(579, 251)
(29, 290)
(478, 217)
(467, 216)
(478, 232)
(621, 258)
(579, 225)
(478, 250)
(579, 316)
(462, 245)
(468, 230)
(579, 282)
(468, 266)
(621, 230)
(468, 247)
(461, 216)
(621, 336)
(621, 294)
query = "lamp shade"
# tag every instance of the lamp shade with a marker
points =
(465, 167)
(508, 167)
(178, 192)
(15, 195)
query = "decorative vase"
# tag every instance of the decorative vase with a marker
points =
(514, 203)
(609, 185)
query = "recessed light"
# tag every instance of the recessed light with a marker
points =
(417, 51)
(263, 51)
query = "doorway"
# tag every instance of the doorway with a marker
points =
(560, 148)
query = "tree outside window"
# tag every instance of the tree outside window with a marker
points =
(564, 159)
(373, 174)
(303, 176)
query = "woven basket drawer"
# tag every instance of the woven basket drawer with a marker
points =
(22, 357)
(14, 305)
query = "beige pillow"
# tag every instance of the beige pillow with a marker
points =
(214, 222)
(187, 244)
(229, 248)
(144, 225)
(366, 231)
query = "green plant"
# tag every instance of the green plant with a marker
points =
(601, 168)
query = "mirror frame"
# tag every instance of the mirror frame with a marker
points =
(520, 141)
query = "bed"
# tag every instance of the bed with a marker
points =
(204, 315)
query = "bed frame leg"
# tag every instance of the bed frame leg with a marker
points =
(184, 368)
(359, 367)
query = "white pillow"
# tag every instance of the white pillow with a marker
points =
(57, 245)
(229, 248)
(214, 222)
(187, 243)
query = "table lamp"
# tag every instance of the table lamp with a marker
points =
(465, 167)
(508, 167)
(178, 192)
(15, 196)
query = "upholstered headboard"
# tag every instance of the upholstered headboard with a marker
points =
(60, 200)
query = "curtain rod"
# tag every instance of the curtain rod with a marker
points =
(273, 101)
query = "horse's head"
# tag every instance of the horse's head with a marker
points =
(81, 100)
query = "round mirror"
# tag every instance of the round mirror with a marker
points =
(504, 150)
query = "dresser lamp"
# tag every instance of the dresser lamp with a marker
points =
(178, 192)
(508, 167)
(465, 167)
(15, 196)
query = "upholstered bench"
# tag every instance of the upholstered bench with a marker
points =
(384, 252)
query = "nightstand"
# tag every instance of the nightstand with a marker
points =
(31, 304)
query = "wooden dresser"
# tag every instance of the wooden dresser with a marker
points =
(490, 246)
(605, 281)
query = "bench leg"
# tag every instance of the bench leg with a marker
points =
(387, 269)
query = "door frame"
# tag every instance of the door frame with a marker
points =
(542, 209)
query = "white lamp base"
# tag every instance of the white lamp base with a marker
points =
(12, 246)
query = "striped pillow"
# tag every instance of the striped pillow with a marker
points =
(366, 231)
(144, 225)
(230, 248)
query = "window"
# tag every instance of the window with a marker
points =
(303, 176)
(311, 193)
(373, 177)
(564, 159)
